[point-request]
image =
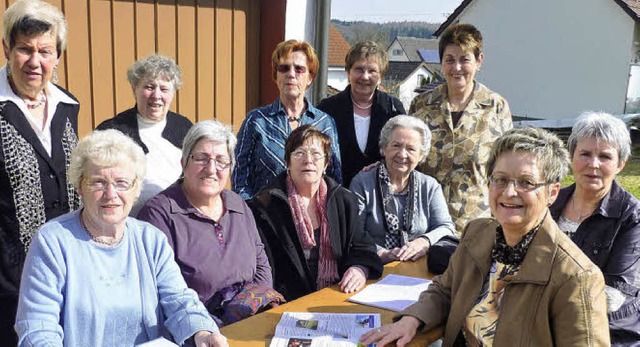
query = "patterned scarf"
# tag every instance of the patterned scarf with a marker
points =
(395, 237)
(327, 265)
(513, 255)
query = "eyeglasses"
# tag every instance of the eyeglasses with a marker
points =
(284, 68)
(203, 160)
(301, 154)
(99, 184)
(520, 184)
(360, 71)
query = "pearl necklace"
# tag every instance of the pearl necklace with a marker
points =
(360, 106)
(100, 239)
(35, 104)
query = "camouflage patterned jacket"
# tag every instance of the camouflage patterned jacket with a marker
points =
(458, 155)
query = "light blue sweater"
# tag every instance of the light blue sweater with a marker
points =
(433, 220)
(75, 292)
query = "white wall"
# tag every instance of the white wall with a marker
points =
(337, 77)
(406, 91)
(554, 59)
(396, 45)
(300, 17)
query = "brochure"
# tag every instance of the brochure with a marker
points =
(393, 292)
(308, 329)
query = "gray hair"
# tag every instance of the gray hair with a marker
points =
(155, 66)
(107, 148)
(601, 127)
(34, 17)
(550, 152)
(210, 130)
(410, 122)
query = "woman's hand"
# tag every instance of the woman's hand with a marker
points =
(209, 339)
(413, 250)
(353, 280)
(388, 255)
(403, 330)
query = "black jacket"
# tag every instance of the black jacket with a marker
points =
(274, 219)
(127, 122)
(610, 237)
(340, 107)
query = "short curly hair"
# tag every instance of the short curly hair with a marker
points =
(368, 50)
(285, 48)
(466, 36)
(34, 17)
(155, 66)
(601, 127)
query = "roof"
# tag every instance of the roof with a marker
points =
(411, 45)
(631, 7)
(338, 47)
(400, 70)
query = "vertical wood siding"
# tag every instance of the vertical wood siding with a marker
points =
(215, 43)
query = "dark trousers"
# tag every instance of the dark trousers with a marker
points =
(8, 309)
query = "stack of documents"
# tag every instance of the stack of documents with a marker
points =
(393, 292)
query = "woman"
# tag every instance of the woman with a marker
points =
(95, 276)
(260, 151)
(403, 210)
(515, 279)
(465, 118)
(38, 130)
(198, 202)
(309, 223)
(160, 132)
(603, 219)
(361, 110)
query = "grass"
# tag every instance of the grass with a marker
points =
(629, 178)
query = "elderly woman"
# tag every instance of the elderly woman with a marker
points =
(309, 223)
(38, 130)
(361, 110)
(160, 132)
(603, 219)
(403, 210)
(198, 202)
(515, 279)
(260, 151)
(97, 277)
(465, 118)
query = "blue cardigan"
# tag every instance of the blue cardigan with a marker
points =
(75, 292)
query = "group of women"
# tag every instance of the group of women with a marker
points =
(532, 255)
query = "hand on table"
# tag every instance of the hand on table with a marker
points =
(403, 330)
(388, 255)
(209, 339)
(353, 280)
(412, 250)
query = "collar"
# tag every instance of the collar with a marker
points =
(278, 187)
(480, 97)
(612, 204)
(179, 204)
(276, 109)
(54, 94)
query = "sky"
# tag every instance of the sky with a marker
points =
(381, 11)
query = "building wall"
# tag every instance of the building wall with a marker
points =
(395, 45)
(215, 43)
(337, 77)
(406, 90)
(555, 59)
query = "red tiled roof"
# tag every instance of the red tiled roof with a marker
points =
(338, 47)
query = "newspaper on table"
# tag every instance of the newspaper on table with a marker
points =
(393, 292)
(308, 329)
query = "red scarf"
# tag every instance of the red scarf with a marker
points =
(327, 266)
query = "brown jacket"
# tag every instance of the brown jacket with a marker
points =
(556, 299)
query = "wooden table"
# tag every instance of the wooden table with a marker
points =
(258, 330)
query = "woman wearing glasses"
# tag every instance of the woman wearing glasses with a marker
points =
(95, 277)
(211, 229)
(260, 150)
(516, 279)
(310, 225)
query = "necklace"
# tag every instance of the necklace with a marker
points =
(360, 106)
(581, 216)
(103, 240)
(293, 119)
(35, 104)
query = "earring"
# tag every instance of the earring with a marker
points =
(54, 78)
(8, 66)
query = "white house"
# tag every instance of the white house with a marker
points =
(338, 49)
(406, 48)
(554, 59)
(403, 77)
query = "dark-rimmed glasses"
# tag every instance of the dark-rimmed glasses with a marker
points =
(284, 68)
(520, 184)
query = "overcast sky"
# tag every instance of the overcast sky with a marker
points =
(380, 11)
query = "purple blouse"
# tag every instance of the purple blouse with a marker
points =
(211, 255)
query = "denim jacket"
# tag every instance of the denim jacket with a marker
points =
(260, 149)
(610, 237)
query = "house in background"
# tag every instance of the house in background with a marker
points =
(416, 49)
(404, 77)
(337, 77)
(541, 55)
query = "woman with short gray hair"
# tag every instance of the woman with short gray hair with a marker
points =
(603, 219)
(151, 124)
(403, 210)
(199, 202)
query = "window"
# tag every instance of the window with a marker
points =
(397, 52)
